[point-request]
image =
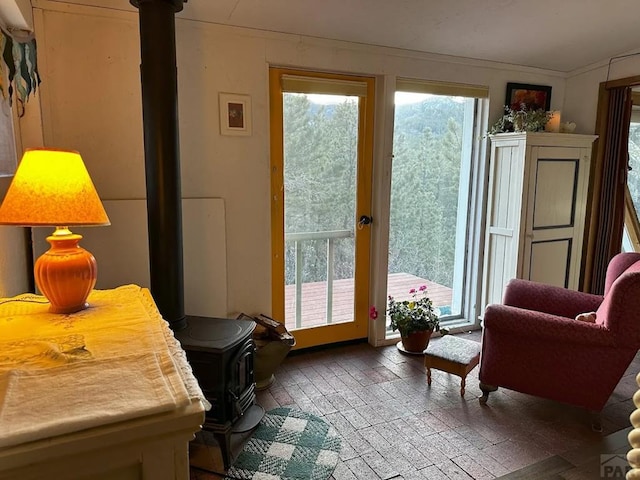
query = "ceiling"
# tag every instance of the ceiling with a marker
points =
(561, 35)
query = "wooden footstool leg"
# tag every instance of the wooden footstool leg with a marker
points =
(428, 376)
(462, 385)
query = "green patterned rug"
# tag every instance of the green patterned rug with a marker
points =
(288, 444)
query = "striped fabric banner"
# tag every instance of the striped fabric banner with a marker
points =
(18, 67)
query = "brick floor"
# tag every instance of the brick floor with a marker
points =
(393, 426)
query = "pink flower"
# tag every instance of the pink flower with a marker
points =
(413, 290)
(373, 313)
(422, 288)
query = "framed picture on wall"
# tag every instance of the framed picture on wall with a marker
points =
(235, 114)
(533, 97)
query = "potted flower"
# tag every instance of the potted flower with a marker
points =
(415, 319)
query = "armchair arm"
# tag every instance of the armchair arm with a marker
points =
(539, 325)
(549, 299)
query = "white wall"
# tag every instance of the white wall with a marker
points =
(14, 274)
(13, 259)
(16, 14)
(89, 62)
(581, 99)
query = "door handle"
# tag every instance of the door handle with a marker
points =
(364, 220)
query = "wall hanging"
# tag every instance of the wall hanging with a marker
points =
(18, 67)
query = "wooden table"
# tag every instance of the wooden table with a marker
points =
(72, 418)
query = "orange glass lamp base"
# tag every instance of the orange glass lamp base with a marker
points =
(66, 273)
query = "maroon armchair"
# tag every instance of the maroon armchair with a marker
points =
(533, 343)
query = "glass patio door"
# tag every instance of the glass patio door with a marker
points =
(429, 237)
(321, 154)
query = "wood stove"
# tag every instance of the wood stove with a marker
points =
(221, 353)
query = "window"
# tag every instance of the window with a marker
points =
(633, 179)
(631, 234)
(435, 130)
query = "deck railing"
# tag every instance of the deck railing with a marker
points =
(330, 237)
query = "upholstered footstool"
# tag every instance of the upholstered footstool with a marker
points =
(452, 355)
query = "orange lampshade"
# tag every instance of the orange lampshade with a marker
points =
(53, 188)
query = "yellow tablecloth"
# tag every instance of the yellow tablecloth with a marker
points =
(116, 360)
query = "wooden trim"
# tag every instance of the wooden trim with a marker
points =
(595, 188)
(593, 254)
(277, 194)
(318, 335)
(364, 207)
(622, 82)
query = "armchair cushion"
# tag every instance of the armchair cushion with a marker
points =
(549, 298)
(544, 327)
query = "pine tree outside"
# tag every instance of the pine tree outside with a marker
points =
(320, 133)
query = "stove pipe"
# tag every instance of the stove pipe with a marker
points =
(158, 73)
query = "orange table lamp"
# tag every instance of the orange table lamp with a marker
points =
(53, 188)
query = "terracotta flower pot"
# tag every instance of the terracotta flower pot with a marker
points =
(416, 341)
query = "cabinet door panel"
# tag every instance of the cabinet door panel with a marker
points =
(549, 262)
(555, 193)
(555, 213)
(502, 268)
(503, 225)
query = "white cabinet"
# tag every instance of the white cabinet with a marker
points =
(536, 210)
